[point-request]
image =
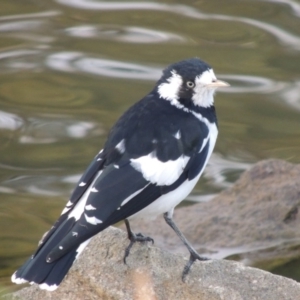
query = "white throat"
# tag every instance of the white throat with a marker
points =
(204, 95)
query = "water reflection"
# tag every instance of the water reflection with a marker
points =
(62, 61)
(219, 166)
(45, 14)
(10, 121)
(75, 61)
(286, 38)
(99, 5)
(111, 68)
(49, 130)
(123, 34)
(221, 172)
(34, 184)
(20, 26)
(295, 6)
(251, 84)
(291, 95)
(41, 184)
(243, 253)
(27, 26)
(71, 61)
(15, 60)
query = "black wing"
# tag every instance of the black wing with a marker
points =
(148, 128)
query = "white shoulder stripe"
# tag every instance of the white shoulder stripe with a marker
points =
(212, 132)
(204, 143)
(132, 195)
(201, 118)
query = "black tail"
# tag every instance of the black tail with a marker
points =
(49, 275)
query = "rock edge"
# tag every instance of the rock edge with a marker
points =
(152, 273)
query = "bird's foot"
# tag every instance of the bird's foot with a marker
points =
(193, 257)
(136, 238)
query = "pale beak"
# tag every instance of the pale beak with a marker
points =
(218, 83)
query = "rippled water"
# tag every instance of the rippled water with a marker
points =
(69, 68)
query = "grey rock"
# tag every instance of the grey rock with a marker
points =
(152, 273)
(257, 217)
(255, 221)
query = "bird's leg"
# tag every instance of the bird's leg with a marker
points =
(134, 238)
(193, 253)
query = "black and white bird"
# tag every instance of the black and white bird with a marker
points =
(152, 159)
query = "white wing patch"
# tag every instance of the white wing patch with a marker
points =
(67, 208)
(90, 207)
(94, 190)
(121, 146)
(78, 210)
(81, 247)
(158, 172)
(177, 135)
(168, 201)
(92, 220)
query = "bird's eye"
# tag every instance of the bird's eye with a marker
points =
(190, 84)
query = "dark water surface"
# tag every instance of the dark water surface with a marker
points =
(69, 68)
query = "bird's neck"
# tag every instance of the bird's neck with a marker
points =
(203, 104)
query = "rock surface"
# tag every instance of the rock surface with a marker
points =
(256, 220)
(257, 217)
(153, 274)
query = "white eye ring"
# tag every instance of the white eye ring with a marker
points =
(190, 84)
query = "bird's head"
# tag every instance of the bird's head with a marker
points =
(190, 80)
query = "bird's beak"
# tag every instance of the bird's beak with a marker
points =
(218, 83)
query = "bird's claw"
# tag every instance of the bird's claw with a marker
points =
(193, 257)
(141, 238)
(136, 238)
